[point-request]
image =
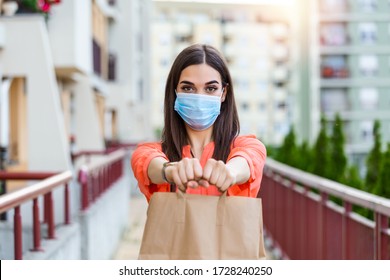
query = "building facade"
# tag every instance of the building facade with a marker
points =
(258, 43)
(350, 69)
(83, 81)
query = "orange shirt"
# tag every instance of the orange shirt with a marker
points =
(247, 147)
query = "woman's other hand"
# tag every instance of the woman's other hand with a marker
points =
(219, 174)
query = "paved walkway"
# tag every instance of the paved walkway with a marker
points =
(129, 246)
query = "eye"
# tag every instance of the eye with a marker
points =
(211, 89)
(187, 89)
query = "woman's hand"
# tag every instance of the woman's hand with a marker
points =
(189, 173)
(219, 174)
(186, 173)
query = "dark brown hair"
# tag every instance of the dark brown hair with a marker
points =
(226, 127)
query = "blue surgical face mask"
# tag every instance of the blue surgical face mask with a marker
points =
(199, 111)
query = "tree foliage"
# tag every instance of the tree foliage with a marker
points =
(338, 166)
(382, 187)
(327, 158)
(321, 152)
(288, 152)
(373, 161)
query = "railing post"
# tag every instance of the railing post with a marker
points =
(50, 222)
(345, 230)
(3, 185)
(94, 185)
(45, 209)
(381, 240)
(322, 225)
(105, 178)
(67, 205)
(36, 227)
(17, 234)
(305, 220)
(83, 179)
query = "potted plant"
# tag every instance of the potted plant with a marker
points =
(36, 6)
(9, 8)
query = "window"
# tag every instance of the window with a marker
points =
(164, 39)
(368, 65)
(262, 86)
(281, 128)
(245, 106)
(262, 64)
(164, 62)
(280, 52)
(263, 107)
(279, 31)
(366, 129)
(333, 5)
(334, 66)
(368, 5)
(369, 98)
(334, 100)
(243, 62)
(333, 34)
(262, 130)
(368, 33)
(280, 74)
(281, 105)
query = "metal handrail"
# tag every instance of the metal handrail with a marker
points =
(17, 198)
(347, 193)
(96, 177)
(25, 175)
(294, 212)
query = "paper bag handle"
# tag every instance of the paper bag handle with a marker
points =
(181, 208)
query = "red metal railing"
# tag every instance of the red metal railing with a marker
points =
(95, 178)
(304, 223)
(43, 188)
(112, 146)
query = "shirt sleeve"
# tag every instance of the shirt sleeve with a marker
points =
(255, 153)
(140, 160)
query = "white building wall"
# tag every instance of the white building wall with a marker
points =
(130, 93)
(87, 128)
(70, 29)
(49, 149)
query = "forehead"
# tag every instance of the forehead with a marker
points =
(199, 73)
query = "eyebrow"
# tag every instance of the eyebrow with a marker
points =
(190, 83)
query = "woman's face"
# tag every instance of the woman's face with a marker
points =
(201, 79)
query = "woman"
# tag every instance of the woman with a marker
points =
(201, 151)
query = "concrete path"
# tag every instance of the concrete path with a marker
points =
(129, 246)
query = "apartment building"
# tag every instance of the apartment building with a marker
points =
(350, 69)
(259, 43)
(74, 80)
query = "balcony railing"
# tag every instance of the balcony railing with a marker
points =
(95, 178)
(305, 223)
(44, 188)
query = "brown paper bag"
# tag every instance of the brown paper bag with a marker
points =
(188, 226)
